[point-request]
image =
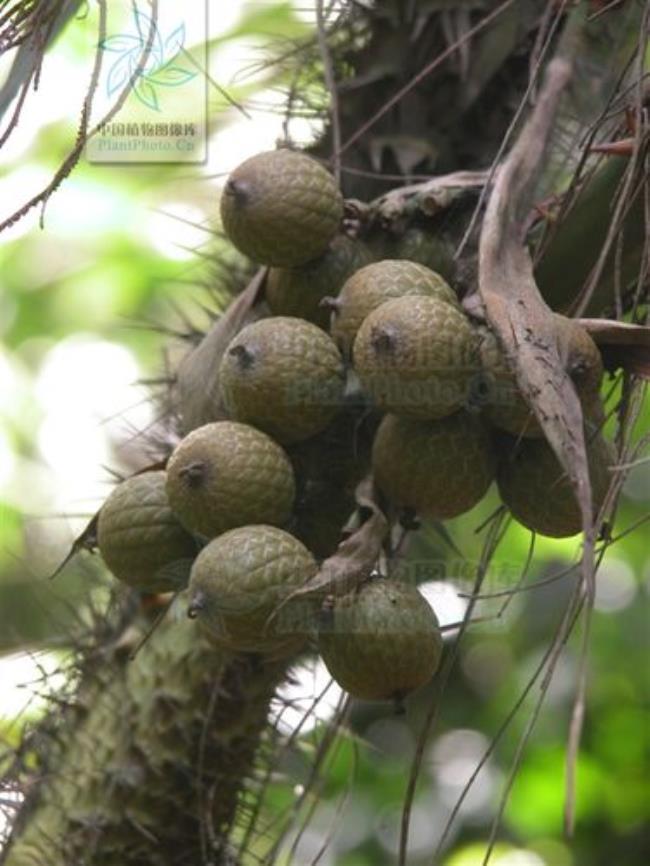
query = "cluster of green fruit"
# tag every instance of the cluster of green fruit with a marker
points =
(231, 511)
(441, 380)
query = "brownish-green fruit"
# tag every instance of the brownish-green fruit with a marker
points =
(241, 578)
(439, 469)
(281, 208)
(425, 247)
(140, 539)
(226, 474)
(373, 285)
(299, 291)
(340, 454)
(381, 642)
(283, 375)
(328, 469)
(537, 491)
(322, 511)
(506, 406)
(417, 356)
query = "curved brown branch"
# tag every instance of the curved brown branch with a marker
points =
(524, 323)
(507, 286)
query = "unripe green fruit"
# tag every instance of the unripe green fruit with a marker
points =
(506, 407)
(340, 454)
(226, 474)
(299, 291)
(537, 491)
(283, 375)
(417, 356)
(439, 469)
(322, 512)
(281, 208)
(238, 581)
(383, 641)
(140, 539)
(373, 285)
(426, 248)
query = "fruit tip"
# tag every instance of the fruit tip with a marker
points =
(242, 355)
(381, 340)
(330, 303)
(238, 190)
(196, 605)
(193, 473)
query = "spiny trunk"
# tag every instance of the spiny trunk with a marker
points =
(147, 765)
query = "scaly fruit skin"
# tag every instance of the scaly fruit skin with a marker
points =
(425, 248)
(328, 469)
(281, 208)
(321, 513)
(506, 407)
(225, 474)
(340, 454)
(373, 285)
(283, 375)
(417, 356)
(440, 469)
(299, 291)
(140, 539)
(239, 579)
(383, 641)
(538, 493)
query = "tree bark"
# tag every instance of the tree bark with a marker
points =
(148, 763)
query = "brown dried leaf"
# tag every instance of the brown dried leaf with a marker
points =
(621, 344)
(86, 541)
(197, 395)
(355, 558)
(514, 305)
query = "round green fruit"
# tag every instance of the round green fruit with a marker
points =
(382, 642)
(417, 356)
(299, 291)
(538, 492)
(283, 375)
(323, 510)
(439, 469)
(376, 283)
(506, 407)
(340, 454)
(281, 208)
(226, 474)
(426, 248)
(140, 539)
(239, 580)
